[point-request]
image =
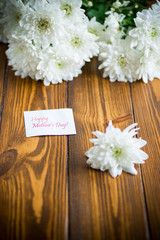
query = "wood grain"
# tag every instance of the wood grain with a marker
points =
(3, 63)
(101, 207)
(47, 191)
(146, 104)
(33, 175)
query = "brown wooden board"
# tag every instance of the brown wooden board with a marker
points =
(3, 63)
(33, 175)
(146, 104)
(101, 207)
(39, 176)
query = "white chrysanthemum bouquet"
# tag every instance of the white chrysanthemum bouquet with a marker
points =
(48, 39)
(51, 40)
(129, 39)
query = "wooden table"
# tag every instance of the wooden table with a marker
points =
(47, 191)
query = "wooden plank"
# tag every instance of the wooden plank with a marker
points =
(101, 207)
(146, 104)
(33, 176)
(2, 72)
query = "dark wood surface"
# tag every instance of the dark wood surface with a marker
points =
(47, 191)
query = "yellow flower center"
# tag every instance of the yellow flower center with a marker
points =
(43, 24)
(153, 32)
(59, 64)
(121, 60)
(117, 152)
(76, 41)
(67, 8)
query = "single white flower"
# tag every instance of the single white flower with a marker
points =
(43, 23)
(113, 20)
(23, 57)
(112, 27)
(80, 44)
(146, 34)
(149, 66)
(72, 9)
(119, 61)
(12, 14)
(116, 150)
(54, 67)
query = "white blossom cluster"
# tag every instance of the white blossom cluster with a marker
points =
(132, 56)
(48, 40)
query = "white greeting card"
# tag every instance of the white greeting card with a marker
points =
(49, 122)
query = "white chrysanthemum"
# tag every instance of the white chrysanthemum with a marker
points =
(80, 44)
(119, 61)
(146, 34)
(113, 20)
(12, 14)
(72, 9)
(23, 57)
(149, 67)
(112, 27)
(44, 24)
(54, 67)
(116, 150)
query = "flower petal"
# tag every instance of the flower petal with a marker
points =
(130, 170)
(127, 129)
(113, 171)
